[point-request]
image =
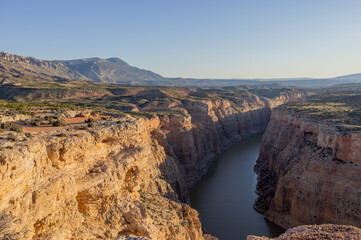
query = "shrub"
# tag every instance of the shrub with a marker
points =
(12, 137)
(90, 120)
(29, 135)
(17, 129)
(35, 122)
(59, 123)
(5, 125)
(63, 135)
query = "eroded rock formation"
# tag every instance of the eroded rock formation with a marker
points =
(308, 172)
(210, 127)
(124, 178)
(93, 185)
(320, 232)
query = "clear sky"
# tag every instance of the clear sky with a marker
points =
(192, 38)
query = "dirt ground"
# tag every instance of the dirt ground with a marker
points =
(69, 121)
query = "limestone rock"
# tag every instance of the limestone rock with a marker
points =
(308, 172)
(319, 232)
(120, 180)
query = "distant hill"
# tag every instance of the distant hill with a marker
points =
(115, 70)
(111, 70)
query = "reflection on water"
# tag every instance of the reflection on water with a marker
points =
(224, 197)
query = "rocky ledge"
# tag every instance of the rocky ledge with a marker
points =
(308, 172)
(319, 232)
(89, 184)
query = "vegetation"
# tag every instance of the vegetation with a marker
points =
(12, 137)
(30, 92)
(342, 110)
(59, 123)
(63, 135)
(29, 135)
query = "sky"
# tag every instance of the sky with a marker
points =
(192, 38)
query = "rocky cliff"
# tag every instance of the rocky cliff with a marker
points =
(123, 178)
(319, 232)
(211, 126)
(309, 170)
(93, 184)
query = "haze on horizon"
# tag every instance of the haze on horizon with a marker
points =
(198, 39)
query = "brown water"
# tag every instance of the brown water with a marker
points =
(225, 195)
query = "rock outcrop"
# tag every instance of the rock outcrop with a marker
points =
(99, 184)
(308, 172)
(209, 127)
(128, 177)
(320, 232)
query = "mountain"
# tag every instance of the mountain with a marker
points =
(115, 70)
(111, 70)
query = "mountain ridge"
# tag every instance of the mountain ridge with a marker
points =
(116, 70)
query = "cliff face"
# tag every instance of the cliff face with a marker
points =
(308, 172)
(93, 185)
(320, 232)
(123, 178)
(210, 127)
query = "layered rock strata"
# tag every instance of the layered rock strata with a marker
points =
(93, 185)
(320, 232)
(123, 178)
(308, 172)
(210, 127)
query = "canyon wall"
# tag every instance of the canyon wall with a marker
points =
(210, 127)
(319, 232)
(308, 172)
(93, 184)
(124, 178)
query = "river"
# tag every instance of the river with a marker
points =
(224, 197)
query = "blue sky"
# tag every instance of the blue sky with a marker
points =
(192, 38)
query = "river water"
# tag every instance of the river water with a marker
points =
(224, 197)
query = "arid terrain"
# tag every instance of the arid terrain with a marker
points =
(86, 160)
(309, 165)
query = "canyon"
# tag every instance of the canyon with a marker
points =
(126, 174)
(128, 177)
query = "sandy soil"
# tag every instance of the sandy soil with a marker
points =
(46, 128)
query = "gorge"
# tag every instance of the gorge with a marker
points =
(123, 177)
(87, 160)
(225, 195)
